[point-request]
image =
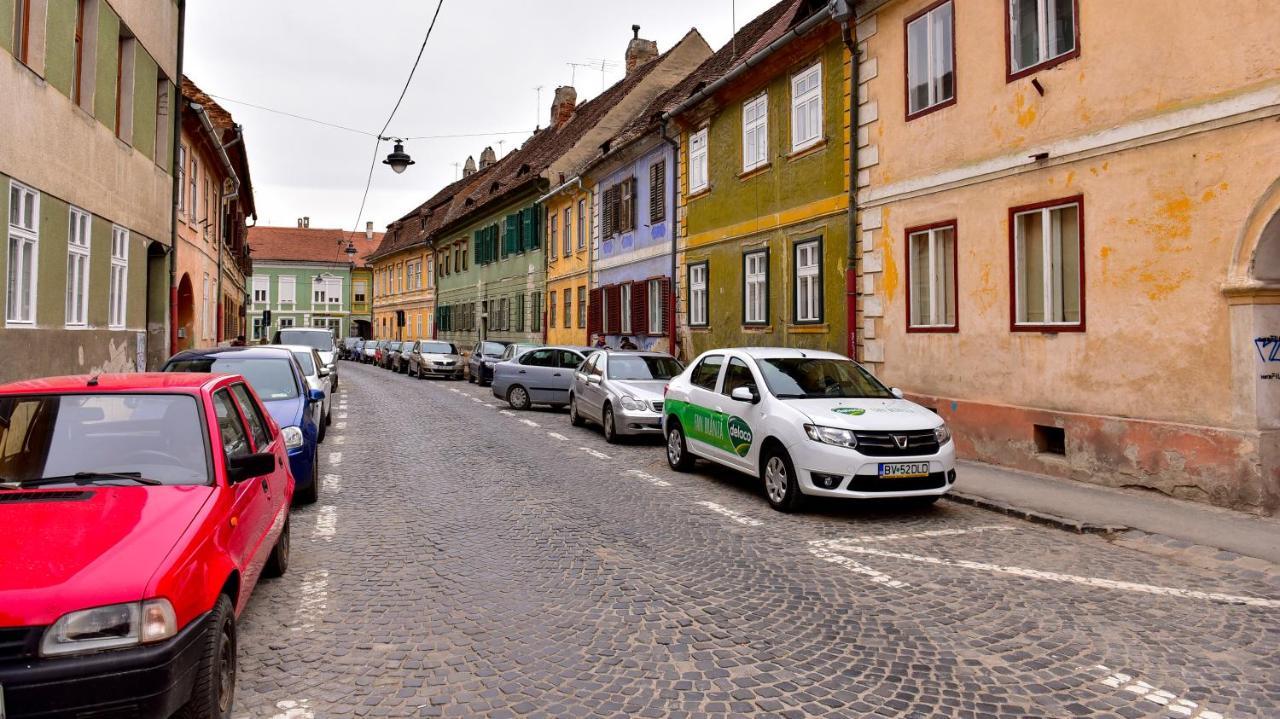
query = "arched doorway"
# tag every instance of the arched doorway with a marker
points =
(362, 329)
(186, 314)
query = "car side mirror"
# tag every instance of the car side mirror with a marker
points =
(316, 395)
(593, 379)
(240, 469)
(323, 372)
(897, 392)
(745, 394)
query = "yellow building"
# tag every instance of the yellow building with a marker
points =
(403, 283)
(1069, 242)
(568, 263)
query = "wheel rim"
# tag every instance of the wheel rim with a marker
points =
(282, 548)
(226, 671)
(573, 410)
(674, 449)
(518, 397)
(775, 479)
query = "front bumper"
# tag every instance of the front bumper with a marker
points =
(859, 475)
(148, 681)
(637, 422)
(431, 370)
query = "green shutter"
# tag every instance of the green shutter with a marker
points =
(512, 237)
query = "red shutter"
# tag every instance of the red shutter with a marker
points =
(665, 288)
(640, 307)
(593, 313)
(614, 320)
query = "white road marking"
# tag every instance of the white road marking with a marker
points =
(290, 709)
(635, 472)
(530, 422)
(315, 600)
(594, 453)
(876, 576)
(490, 406)
(335, 458)
(342, 415)
(339, 439)
(477, 400)
(1172, 702)
(326, 523)
(332, 483)
(731, 514)
(557, 435)
(506, 413)
(925, 535)
(1096, 582)
(340, 425)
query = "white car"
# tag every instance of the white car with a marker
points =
(807, 422)
(318, 377)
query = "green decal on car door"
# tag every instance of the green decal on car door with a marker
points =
(717, 429)
(740, 436)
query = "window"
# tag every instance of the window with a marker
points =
(656, 314)
(261, 290)
(657, 192)
(568, 308)
(195, 187)
(1041, 33)
(736, 375)
(568, 359)
(257, 328)
(582, 307)
(125, 52)
(326, 290)
(808, 281)
(755, 288)
(24, 213)
(536, 304)
(707, 372)
(698, 179)
(287, 292)
(358, 290)
(1048, 269)
(931, 78)
(755, 132)
(554, 235)
(931, 277)
(235, 440)
(624, 304)
(285, 322)
(582, 224)
(806, 108)
(551, 312)
(78, 269)
(619, 209)
(77, 70)
(118, 288)
(698, 295)
(182, 174)
(22, 30)
(568, 237)
(257, 423)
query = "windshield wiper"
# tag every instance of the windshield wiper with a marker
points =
(82, 478)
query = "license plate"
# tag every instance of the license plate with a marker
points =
(904, 470)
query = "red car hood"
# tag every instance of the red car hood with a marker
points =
(67, 554)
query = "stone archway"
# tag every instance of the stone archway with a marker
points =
(186, 314)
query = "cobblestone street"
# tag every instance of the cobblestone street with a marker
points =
(466, 560)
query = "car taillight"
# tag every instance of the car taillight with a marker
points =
(665, 387)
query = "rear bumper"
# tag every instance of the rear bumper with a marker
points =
(150, 681)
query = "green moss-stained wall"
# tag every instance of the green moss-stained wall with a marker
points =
(60, 45)
(99, 271)
(166, 160)
(136, 309)
(145, 76)
(51, 290)
(104, 99)
(6, 28)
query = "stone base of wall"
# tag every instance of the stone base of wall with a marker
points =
(1235, 469)
(29, 354)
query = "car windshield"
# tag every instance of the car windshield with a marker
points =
(322, 341)
(270, 377)
(304, 359)
(643, 367)
(815, 377)
(438, 348)
(157, 437)
(491, 348)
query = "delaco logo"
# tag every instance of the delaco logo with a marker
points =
(740, 435)
(850, 411)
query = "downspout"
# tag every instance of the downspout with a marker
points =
(173, 173)
(675, 234)
(842, 13)
(226, 198)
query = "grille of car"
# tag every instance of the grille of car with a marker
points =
(657, 405)
(897, 444)
(19, 642)
(62, 496)
(871, 483)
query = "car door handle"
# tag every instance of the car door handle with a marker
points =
(522, 372)
(557, 374)
(265, 487)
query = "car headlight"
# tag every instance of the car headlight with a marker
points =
(832, 435)
(631, 403)
(292, 437)
(942, 434)
(110, 627)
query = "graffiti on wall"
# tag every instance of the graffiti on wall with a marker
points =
(1268, 352)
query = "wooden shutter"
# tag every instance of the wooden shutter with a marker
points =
(614, 321)
(657, 192)
(664, 286)
(593, 312)
(640, 307)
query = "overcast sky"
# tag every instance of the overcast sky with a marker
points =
(345, 61)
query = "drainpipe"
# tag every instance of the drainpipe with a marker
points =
(675, 232)
(226, 198)
(173, 172)
(842, 13)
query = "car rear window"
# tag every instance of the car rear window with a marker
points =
(304, 359)
(157, 436)
(322, 341)
(270, 377)
(491, 348)
(643, 367)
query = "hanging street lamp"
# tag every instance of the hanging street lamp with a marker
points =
(399, 160)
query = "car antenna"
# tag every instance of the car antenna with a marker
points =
(93, 381)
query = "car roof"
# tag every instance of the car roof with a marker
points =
(296, 348)
(176, 382)
(635, 353)
(304, 329)
(259, 352)
(780, 352)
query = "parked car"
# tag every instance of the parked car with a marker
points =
(388, 354)
(482, 359)
(348, 349)
(380, 352)
(539, 376)
(145, 507)
(317, 337)
(622, 391)
(432, 358)
(369, 351)
(400, 358)
(808, 423)
(318, 377)
(276, 377)
(515, 349)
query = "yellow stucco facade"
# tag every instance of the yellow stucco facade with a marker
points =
(568, 233)
(404, 281)
(1139, 173)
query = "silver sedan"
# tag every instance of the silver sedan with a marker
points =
(622, 392)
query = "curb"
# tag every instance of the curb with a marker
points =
(1031, 515)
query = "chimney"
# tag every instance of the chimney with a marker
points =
(639, 52)
(563, 106)
(368, 230)
(299, 223)
(469, 169)
(306, 222)
(487, 158)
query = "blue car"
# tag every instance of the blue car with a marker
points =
(279, 382)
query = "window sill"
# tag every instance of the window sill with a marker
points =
(808, 328)
(1051, 62)
(698, 195)
(811, 149)
(930, 109)
(950, 329)
(20, 325)
(1048, 329)
(757, 329)
(700, 328)
(753, 172)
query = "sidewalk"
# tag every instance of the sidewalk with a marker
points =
(1093, 508)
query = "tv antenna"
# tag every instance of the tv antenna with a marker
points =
(537, 111)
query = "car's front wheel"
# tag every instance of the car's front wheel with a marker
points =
(215, 685)
(278, 562)
(677, 450)
(575, 419)
(518, 397)
(610, 430)
(781, 487)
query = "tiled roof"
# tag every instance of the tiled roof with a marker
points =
(297, 244)
(225, 123)
(220, 118)
(436, 210)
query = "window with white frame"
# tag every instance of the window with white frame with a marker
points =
(182, 180)
(286, 290)
(582, 224)
(755, 132)
(806, 108)
(698, 179)
(326, 290)
(698, 294)
(568, 231)
(931, 77)
(261, 289)
(195, 188)
(931, 270)
(1040, 31)
(257, 329)
(285, 322)
(118, 287)
(77, 314)
(755, 288)
(624, 303)
(655, 307)
(1047, 248)
(24, 240)
(359, 289)
(808, 281)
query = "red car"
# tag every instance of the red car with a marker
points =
(142, 509)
